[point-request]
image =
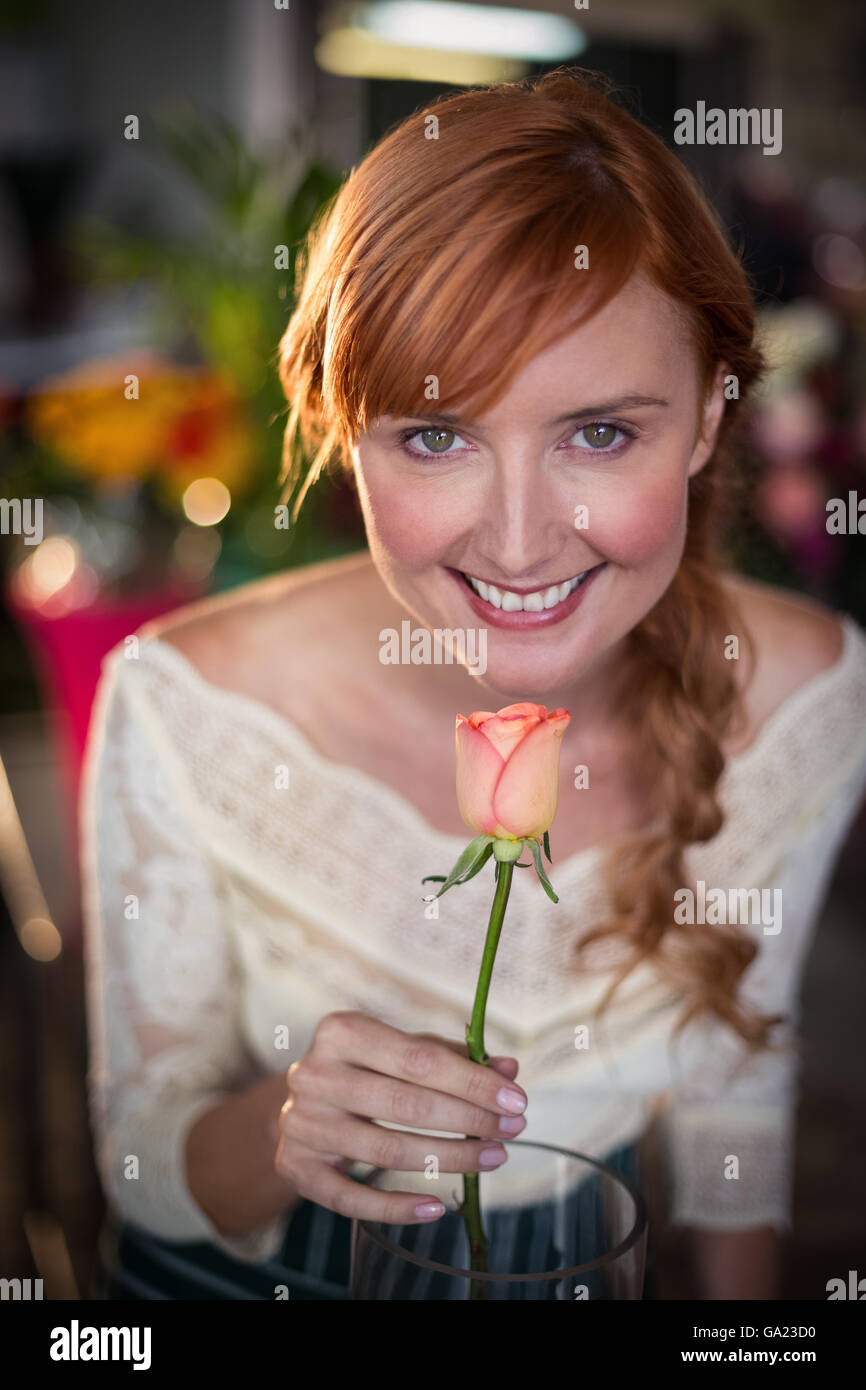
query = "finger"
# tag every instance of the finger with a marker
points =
(506, 1066)
(336, 1161)
(337, 1087)
(343, 1195)
(368, 1042)
(396, 1149)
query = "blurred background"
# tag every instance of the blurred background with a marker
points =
(159, 164)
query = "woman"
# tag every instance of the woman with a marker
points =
(522, 331)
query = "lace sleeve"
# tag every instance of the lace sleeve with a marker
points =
(731, 1123)
(161, 986)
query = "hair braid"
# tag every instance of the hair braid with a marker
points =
(684, 699)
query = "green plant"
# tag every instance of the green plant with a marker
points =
(225, 293)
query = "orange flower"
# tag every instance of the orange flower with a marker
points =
(508, 769)
(174, 424)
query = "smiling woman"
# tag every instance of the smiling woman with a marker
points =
(540, 446)
(430, 279)
(500, 498)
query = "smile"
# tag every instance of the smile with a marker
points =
(534, 602)
(525, 612)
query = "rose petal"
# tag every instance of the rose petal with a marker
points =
(524, 707)
(526, 795)
(479, 768)
(479, 717)
(505, 733)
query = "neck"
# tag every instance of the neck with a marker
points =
(448, 688)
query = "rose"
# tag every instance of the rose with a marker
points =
(507, 782)
(508, 769)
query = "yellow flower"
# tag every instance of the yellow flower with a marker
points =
(141, 416)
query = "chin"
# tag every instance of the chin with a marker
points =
(522, 678)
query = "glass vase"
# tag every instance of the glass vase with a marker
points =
(560, 1225)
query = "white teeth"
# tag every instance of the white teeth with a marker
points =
(529, 603)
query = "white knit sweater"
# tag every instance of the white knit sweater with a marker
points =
(238, 883)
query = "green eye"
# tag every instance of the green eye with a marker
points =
(437, 440)
(599, 436)
(431, 440)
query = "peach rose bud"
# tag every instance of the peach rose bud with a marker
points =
(508, 769)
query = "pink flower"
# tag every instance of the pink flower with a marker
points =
(508, 770)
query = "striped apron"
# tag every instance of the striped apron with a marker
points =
(314, 1259)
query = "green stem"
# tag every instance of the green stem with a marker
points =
(471, 1208)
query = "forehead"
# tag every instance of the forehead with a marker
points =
(641, 343)
(638, 341)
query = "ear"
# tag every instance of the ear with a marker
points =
(712, 410)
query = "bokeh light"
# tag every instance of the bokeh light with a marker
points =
(206, 501)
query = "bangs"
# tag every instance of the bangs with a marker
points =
(457, 324)
(478, 233)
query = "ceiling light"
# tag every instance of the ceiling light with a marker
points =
(443, 41)
(491, 29)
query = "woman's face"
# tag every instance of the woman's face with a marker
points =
(579, 473)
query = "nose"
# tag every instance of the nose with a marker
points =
(526, 521)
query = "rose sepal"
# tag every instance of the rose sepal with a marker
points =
(535, 851)
(479, 850)
(471, 861)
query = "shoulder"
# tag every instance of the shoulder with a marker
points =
(290, 605)
(259, 632)
(792, 639)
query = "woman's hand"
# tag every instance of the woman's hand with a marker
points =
(359, 1070)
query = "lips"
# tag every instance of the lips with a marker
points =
(510, 617)
(513, 601)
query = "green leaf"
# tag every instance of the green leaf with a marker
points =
(547, 847)
(473, 858)
(539, 869)
(477, 866)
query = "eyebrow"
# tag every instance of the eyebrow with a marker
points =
(605, 408)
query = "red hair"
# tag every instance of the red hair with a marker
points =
(449, 253)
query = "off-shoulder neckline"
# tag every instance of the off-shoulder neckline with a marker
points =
(267, 717)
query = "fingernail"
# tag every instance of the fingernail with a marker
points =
(429, 1209)
(511, 1124)
(511, 1100)
(493, 1156)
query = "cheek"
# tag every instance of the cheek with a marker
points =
(641, 522)
(408, 527)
